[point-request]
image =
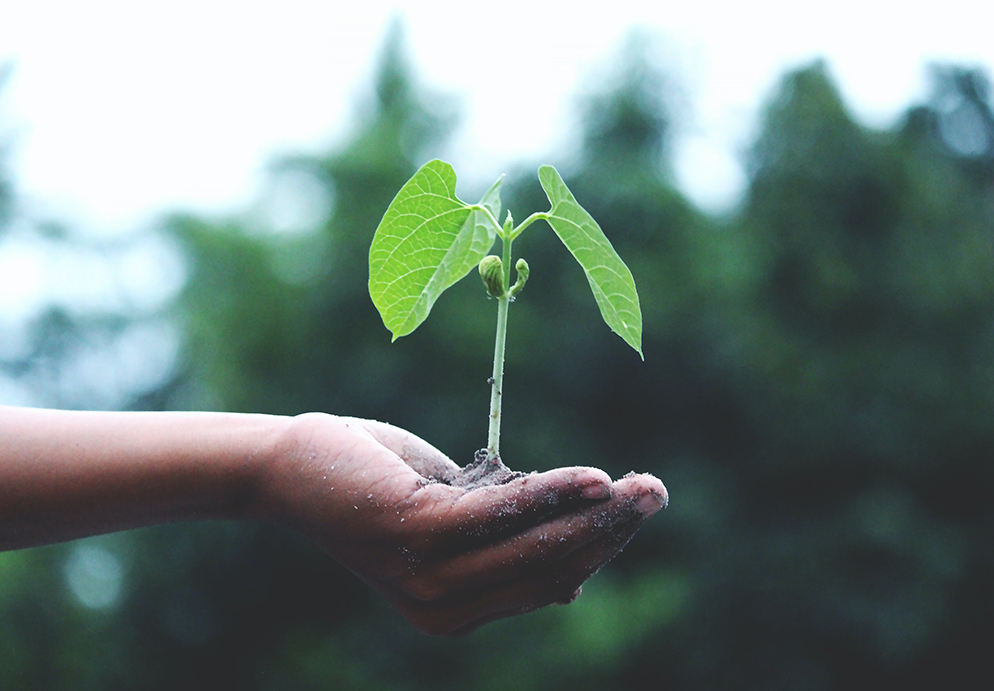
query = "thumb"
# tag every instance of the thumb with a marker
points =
(421, 456)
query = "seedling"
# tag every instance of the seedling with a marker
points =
(429, 239)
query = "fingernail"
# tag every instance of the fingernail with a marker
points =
(651, 503)
(597, 491)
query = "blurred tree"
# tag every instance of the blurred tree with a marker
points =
(863, 370)
(958, 118)
(816, 394)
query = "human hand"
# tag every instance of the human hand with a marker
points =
(450, 559)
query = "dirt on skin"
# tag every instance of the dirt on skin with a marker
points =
(483, 472)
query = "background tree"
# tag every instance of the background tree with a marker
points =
(816, 395)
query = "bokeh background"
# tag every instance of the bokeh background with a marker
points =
(817, 395)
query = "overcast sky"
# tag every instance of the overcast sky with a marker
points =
(119, 110)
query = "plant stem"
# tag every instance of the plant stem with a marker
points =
(493, 443)
(537, 216)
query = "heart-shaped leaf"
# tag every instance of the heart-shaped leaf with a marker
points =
(427, 240)
(610, 280)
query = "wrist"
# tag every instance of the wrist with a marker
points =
(284, 468)
(250, 489)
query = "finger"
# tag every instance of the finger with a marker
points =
(548, 589)
(481, 516)
(538, 545)
(556, 584)
(467, 610)
(645, 490)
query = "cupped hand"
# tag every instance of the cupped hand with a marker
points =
(450, 559)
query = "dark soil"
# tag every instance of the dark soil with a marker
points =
(484, 473)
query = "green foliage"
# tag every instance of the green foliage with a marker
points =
(492, 275)
(610, 280)
(521, 271)
(428, 239)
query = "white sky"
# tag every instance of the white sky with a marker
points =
(119, 110)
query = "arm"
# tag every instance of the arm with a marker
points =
(448, 558)
(69, 474)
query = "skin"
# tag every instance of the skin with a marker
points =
(449, 559)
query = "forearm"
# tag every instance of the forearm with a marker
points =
(65, 475)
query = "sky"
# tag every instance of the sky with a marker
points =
(116, 112)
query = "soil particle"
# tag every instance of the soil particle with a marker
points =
(484, 472)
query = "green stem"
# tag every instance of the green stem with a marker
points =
(493, 443)
(537, 216)
(486, 212)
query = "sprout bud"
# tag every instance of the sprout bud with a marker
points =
(492, 273)
(521, 268)
(508, 222)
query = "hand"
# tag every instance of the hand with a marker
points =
(451, 559)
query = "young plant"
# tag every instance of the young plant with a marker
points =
(429, 239)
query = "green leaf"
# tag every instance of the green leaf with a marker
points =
(427, 241)
(610, 280)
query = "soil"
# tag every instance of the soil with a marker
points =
(483, 472)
